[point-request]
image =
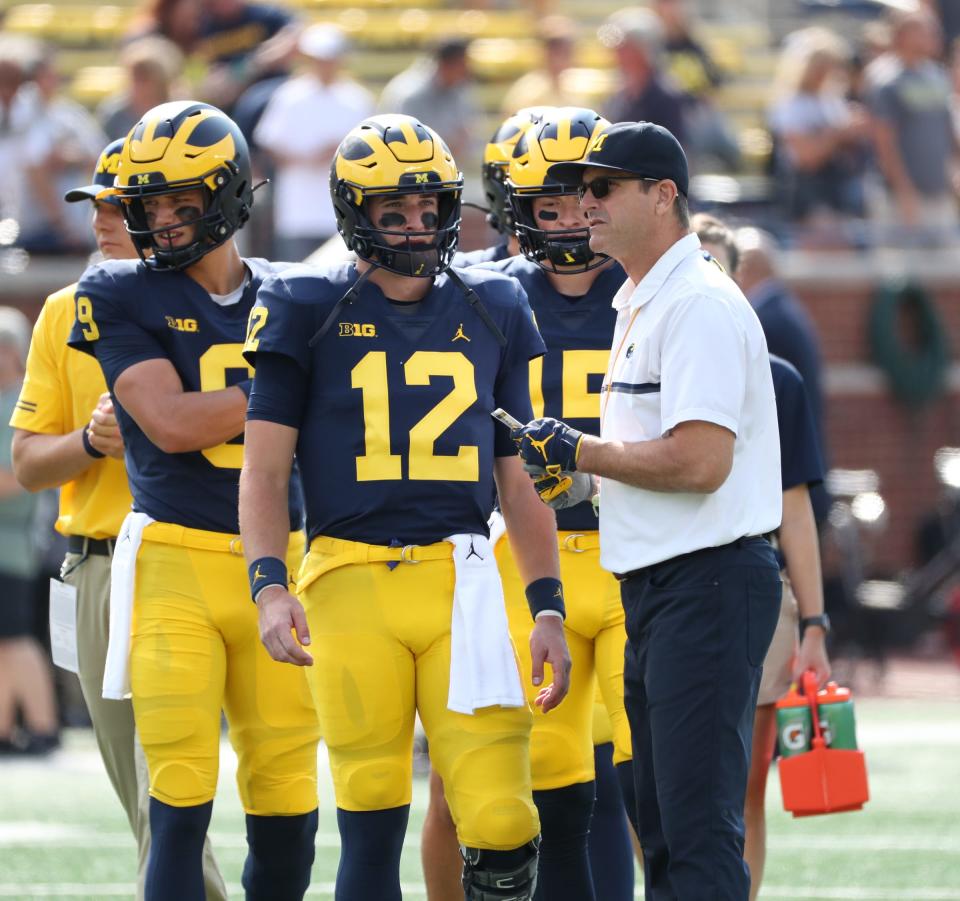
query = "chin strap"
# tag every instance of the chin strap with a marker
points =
(480, 309)
(352, 293)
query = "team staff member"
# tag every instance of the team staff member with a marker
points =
(168, 332)
(690, 483)
(386, 403)
(67, 437)
(801, 469)
(569, 289)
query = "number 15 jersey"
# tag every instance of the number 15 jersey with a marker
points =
(396, 442)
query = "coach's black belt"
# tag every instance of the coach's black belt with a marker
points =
(80, 544)
(645, 570)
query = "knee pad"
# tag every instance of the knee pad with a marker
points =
(565, 812)
(375, 785)
(500, 875)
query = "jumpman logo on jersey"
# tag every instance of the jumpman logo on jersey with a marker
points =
(460, 334)
(472, 552)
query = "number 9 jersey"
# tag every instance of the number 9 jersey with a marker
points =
(127, 314)
(394, 400)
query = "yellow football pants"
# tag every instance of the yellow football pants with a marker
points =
(380, 639)
(195, 649)
(561, 745)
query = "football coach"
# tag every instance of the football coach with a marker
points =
(689, 463)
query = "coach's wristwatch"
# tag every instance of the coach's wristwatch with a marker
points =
(821, 620)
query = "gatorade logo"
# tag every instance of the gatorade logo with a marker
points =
(794, 737)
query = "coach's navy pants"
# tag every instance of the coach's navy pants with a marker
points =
(698, 628)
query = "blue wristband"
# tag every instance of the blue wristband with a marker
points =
(545, 594)
(89, 448)
(266, 571)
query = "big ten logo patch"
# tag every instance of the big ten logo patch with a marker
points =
(182, 325)
(358, 330)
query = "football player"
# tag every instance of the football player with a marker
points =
(381, 375)
(570, 291)
(67, 436)
(168, 331)
(493, 178)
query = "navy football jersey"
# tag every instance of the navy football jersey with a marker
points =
(126, 314)
(800, 461)
(578, 332)
(492, 254)
(396, 442)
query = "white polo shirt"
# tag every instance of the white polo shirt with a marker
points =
(688, 346)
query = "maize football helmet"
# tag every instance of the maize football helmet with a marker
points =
(496, 160)
(394, 154)
(181, 146)
(562, 135)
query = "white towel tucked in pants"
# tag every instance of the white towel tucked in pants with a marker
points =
(483, 666)
(123, 577)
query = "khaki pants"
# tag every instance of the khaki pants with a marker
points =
(113, 720)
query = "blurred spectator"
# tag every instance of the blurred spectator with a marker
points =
(319, 107)
(647, 94)
(546, 86)
(26, 683)
(693, 70)
(19, 103)
(243, 44)
(915, 140)
(152, 66)
(439, 92)
(176, 20)
(820, 137)
(955, 85)
(61, 147)
(786, 324)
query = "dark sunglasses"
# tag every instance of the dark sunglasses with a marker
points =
(600, 186)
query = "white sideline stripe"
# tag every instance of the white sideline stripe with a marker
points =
(417, 889)
(35, 834)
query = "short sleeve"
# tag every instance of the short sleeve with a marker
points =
(107, 326)
(800, 461)
(40, 406)
(703, 365)
(512, 389)
(279, 325)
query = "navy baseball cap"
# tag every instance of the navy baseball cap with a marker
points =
(640, 148)
(103, 175)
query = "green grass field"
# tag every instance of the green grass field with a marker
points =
(62, 834)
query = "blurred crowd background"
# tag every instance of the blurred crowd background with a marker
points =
(826, 131)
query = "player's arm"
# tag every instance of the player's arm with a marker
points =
(264, 527)
(801, 551)
(175, 420)
(42, 460)
(532, 527)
